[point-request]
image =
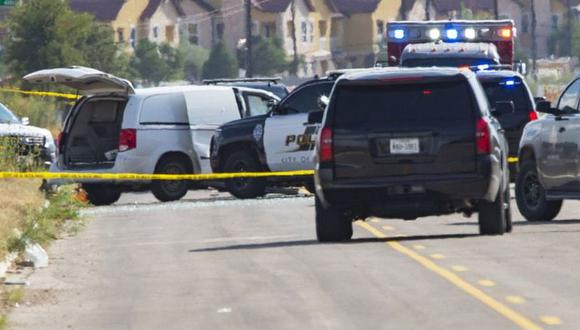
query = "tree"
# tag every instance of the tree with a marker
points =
(269, 56)
(221, 63)
(47, 33)
(156, 63)
(194, 58)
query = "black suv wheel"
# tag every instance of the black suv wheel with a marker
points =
(332, 224)
(244, 188)
(170, 190)
(492, 215)
(101, 194)
(531, 196)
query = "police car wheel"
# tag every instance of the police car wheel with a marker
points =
(332, 225)
(170, 190)
(244, 188)
(101, 194)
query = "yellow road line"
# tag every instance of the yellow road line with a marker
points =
(459, 268)
(551, 320)
(515, 300)
(145, 177)
(471, 290)
(487, 283)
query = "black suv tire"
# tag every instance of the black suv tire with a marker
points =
(244, 188)
(101, 194)
(332, 225)
(492, 215)
(171, 190)
(531, 196)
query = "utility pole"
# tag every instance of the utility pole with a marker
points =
(568, 34)
(496, 8)
(534, 40)
(249, 58)
(427, 10)
(294, 43)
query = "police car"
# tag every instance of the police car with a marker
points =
(281, 140)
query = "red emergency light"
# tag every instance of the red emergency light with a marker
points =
(501, 33)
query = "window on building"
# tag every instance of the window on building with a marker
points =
(220, 28)
(289, 28)
(310, 31)
(304, 29)
(323, 28)
(169, 33)
(555, 22)
(155, 32)
(192, 34)
(525, 23)
(269, 30)
(133, 37)
(380, 27)
(121, 35)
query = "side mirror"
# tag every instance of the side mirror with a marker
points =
(546, 107)
(25, 121)
(323, 102)
(315, 117)
(538, 99)
(271, 103)
(503, 108)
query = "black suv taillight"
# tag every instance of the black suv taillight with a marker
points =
(482, 137)
(326, 152)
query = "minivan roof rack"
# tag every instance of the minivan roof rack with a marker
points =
(274, 80)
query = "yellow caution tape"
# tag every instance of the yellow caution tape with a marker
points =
(513, 160)
(147, 177)
(36, 93)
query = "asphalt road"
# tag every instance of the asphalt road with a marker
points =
(211, 262)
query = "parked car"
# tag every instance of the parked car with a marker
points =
(271, 85)
(26, 140)
(115, 128)
(281, 140)
(510, 86)
(410, 143)
(549, 167)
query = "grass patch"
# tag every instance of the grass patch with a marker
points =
(15, 296)
(3, 321)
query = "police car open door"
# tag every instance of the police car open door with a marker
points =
(289, 142)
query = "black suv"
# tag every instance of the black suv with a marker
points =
(506, 86)
(411, 143)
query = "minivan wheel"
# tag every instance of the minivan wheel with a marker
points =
(170, 190)
(531, 196)
(332, 225)
(492, 216)
(101, 194)
(244, 188)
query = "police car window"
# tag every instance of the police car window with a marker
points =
(508, 90)
(164, 109)
(569, 100)
(356, 105)
(306, 99)
(256, 105)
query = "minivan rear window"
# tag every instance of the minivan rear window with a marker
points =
(356, 104)
(508, 90)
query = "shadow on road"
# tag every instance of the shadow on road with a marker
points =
(273, 245)
(525, 223)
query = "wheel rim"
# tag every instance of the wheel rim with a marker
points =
(173, 186)
(240, 183)
(532, 190)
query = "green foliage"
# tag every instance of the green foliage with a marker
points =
(221, 63)
(194, 57)
(13, 159)
(43, 226)
(156, 63)
(47, 33)
(42, 111)
(269, 56)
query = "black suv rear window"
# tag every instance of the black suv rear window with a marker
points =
(403, 103)
(508, 90)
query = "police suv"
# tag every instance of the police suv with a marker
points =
(281, 140)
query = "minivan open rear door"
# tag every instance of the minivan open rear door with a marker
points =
(86, 81)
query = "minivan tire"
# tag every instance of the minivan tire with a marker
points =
(171, 190)
(332, 224)
(492, 215)
(244, 188)
(531, 196)
(101, 194)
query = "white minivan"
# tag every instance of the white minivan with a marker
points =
(114, 128)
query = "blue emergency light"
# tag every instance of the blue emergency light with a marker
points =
(452, 34)
(399, 34)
